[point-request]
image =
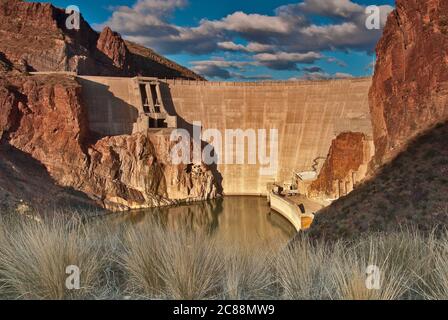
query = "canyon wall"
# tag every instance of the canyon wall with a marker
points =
(409, 92)
(307, 115)
(408, 99)
(35, 35)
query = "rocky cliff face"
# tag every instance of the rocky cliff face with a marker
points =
(114, 48)
(346, 165)
(43, 117)
(35, 34)
(408, 98)
(409, 93)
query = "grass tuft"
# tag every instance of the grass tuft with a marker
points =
(150, 261)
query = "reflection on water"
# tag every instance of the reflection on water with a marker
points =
(243, 220)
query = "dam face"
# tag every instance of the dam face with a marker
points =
(307, 115)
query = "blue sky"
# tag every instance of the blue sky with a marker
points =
(246, 40)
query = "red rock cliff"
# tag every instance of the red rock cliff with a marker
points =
(409, 96)
(36, 34)
(409, 93)
(345, 166)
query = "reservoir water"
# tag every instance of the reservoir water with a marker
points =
(235, 219)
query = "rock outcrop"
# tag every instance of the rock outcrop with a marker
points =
(43, 117)
(36, 34)
(26, 187)
(409, 93)
(409, 105)
(112, 45)
(345, 166)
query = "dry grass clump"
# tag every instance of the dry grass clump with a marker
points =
(34, 257)
(171, 265)
(341, 271)
(433, 284)
(150, 261)
(351, 269)
(247, 273)
(302, 270)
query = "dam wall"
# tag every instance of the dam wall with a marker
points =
(112, 104)
(307, 115)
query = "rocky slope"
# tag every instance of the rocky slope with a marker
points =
(26, 186)
(345, 166)
(35, 35)
(409, 93)
(412, 190)
(43, 117)
(408, 98)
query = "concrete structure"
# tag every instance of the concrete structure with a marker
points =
(120, 106)
(307, 115)
(152, 112)
(291, 211)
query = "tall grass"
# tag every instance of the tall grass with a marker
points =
(302, 270)
(433, 282)
(150, 261)
(350, 274)
(34, 258)
(247, 273)
(171, 265)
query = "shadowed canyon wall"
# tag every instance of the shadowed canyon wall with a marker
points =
(307, 115)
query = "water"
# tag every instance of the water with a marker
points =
(241, 220)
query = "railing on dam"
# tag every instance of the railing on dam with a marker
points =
(284, 83)
(280, 83)
(290, 211)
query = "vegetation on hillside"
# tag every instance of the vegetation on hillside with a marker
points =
(411, 190)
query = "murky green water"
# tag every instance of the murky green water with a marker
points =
(240, 220)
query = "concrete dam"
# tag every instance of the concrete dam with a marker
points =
(306, 115)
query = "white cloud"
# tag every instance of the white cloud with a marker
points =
(332, 8)
(285, 60)
(247, 23)
(279, 41)
(287, 30)
(253, 47)
(321, 75)
(342, 75)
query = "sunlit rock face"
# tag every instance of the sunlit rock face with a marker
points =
(409, 93)
(345, 166)
(36, 34)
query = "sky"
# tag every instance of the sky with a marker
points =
(246, 40)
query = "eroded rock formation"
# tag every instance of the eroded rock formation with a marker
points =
(43, 117)
(346, 165)
(409, 93)
(35, 34)
(112, 45)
